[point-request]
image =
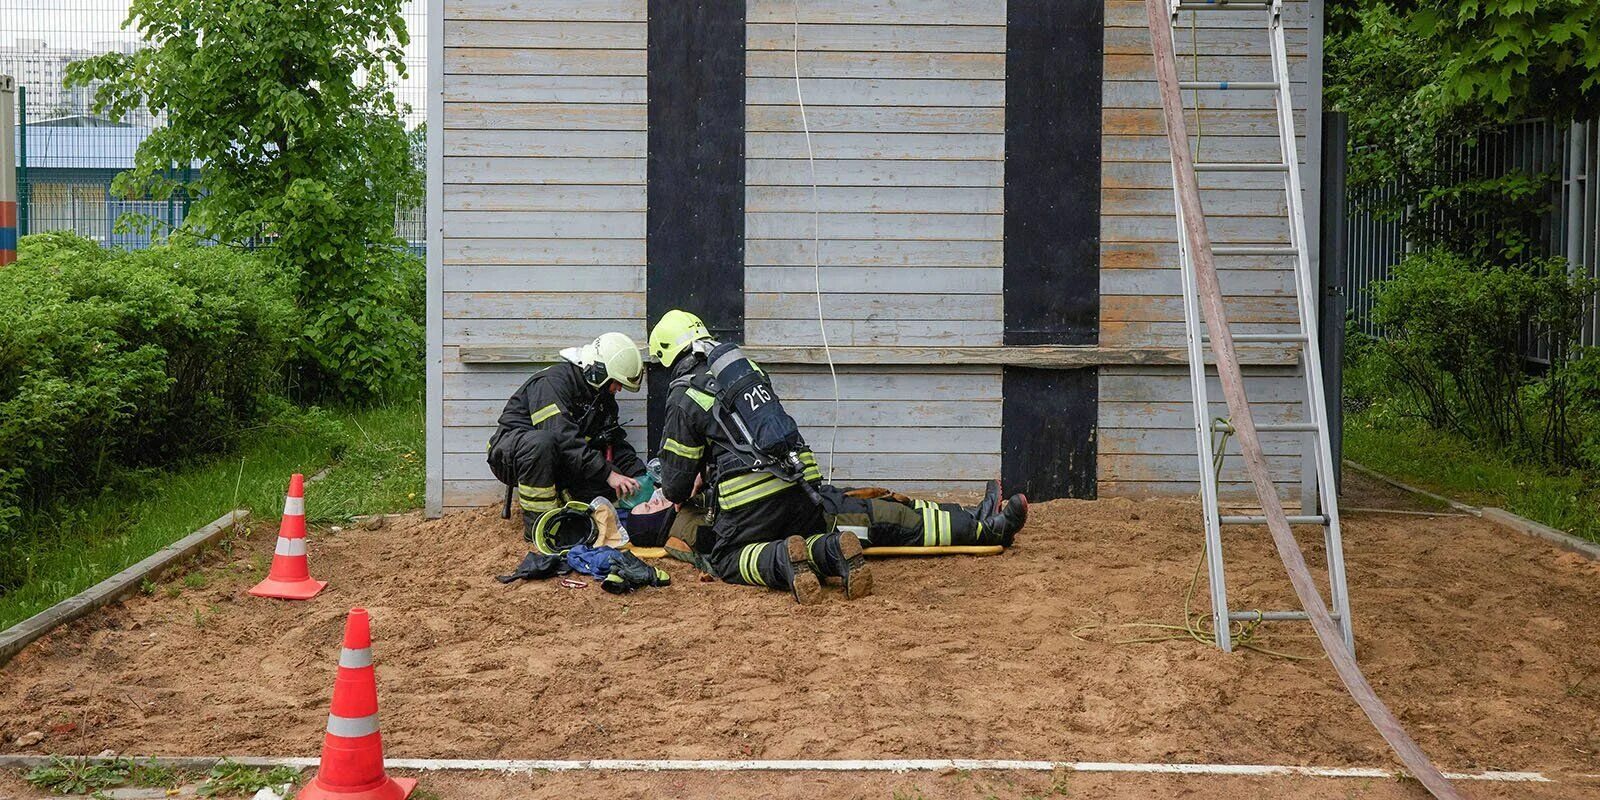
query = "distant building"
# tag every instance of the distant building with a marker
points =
(42, 70)
(71, 162)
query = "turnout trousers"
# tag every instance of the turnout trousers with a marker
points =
(533, 462)
(891, 520)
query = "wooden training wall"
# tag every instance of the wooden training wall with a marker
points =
(599, 161)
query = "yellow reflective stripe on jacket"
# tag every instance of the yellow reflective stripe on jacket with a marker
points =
(745, 489)
(544, 413)
(700, 398)
(679, 448)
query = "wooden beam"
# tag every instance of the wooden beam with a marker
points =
(1038, 356)
(1210, 290)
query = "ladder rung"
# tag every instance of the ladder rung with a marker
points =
(1256, 519)
(1273, 616)
(1269, 427)
(1263, 337)
(1254, 251)
(1224, 5)
(1224, 85)
(1238, 166)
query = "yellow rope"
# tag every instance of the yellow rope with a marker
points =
(1197, 627)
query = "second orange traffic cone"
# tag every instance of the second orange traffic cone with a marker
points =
(290, 575)
(352, 751)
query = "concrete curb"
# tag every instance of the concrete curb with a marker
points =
(122, 584)
(116, 587)
(1499, 516)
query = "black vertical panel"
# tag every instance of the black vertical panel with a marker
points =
(1054, 53)
(1334, 225)
(694, 226)
(1048, 439)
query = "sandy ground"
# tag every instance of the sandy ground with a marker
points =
(951, 785)
(1482, 641)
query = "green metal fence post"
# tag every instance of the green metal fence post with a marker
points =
(23, 189)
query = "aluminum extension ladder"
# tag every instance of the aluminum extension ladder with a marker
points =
(1315, 422)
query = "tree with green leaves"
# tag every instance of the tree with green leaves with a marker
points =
(280, 124)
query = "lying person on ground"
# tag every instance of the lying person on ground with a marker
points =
(775, 524)
(558, 437)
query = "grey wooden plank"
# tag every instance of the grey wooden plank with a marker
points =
(510, 331)
(889, 146)
(915, 37)
(904, 280)
(558, 102)
(873, 12)
(460, 62)
(1138, 335)
(1217, 202)
(1130, 14)
(1158, 175)
(547, 144)
(1236, 493)
(556, 302)
(579, 171)
(1212, 67)
(931, 413)
(1211, 41)
(1161, 441)
(884, 305)
(873, 253)
(862, 172)
(1142, 94)
(1278, 308)
(1211, 148)
(1164, 255)
(1224, 230)
(847, 467)
(520, 88)
(898, 358)
(545, 224)
(116, 587)
(1167, 283)
(1142, 467)
(875, 119)
(864, 436)
(546, 10)
(1138, 388)
(891, 199)
(1208, 121)
(530, 252)
(571, 34)
(923, 227)
(542, 197)
(877, 92)
(1178, 413)
(864, 332)
(875, 63)
(510, 279)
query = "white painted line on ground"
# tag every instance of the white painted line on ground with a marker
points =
(833, 765)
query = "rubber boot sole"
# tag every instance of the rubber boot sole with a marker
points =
(857, 575)
(803, 583)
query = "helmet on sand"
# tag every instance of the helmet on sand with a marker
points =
(674, 333)
(611, 357)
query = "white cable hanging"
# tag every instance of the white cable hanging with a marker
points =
(816, 243)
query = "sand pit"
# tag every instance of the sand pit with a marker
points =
(1480, 640)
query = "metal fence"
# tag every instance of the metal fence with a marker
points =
(1567, 154)
(67, 156)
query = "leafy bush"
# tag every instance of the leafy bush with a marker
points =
(364, 333)
(111, 360)
(1455, 344)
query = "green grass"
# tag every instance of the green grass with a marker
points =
(1451, 466)
(378, 458)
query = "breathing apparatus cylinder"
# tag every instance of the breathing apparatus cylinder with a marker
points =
(748, 391)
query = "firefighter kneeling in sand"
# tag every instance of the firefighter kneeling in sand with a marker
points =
(774, 523)
(559, 438)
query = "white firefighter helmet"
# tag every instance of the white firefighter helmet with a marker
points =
(611, 357)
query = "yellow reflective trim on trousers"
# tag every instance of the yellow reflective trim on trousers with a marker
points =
(536, 492)
(538, 505)
(679, 448)
(750, 563)
(930, 529)
(544, 413)
(943, 519)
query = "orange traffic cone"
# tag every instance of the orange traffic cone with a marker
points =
(290, 576)
(352, 752)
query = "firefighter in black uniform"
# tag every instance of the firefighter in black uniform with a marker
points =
(559, 438)
(772, 532)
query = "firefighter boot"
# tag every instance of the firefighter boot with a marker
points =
(857, 575)
(794, 561)
(990, 502)
(1008, 520)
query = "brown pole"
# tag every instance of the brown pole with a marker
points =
(1244, 426)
